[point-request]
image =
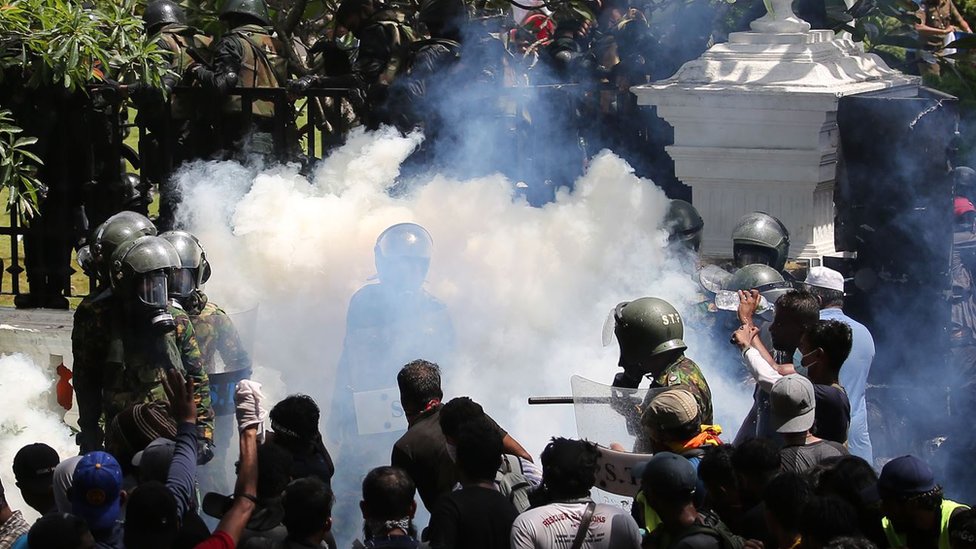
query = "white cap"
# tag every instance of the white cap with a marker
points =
(822, 277)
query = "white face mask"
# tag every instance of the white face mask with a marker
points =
(452, 451)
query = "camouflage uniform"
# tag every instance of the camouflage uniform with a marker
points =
(115, 366)
(686, 373)
(215, 332)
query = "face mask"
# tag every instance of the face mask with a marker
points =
(803, 370)
(151, 293)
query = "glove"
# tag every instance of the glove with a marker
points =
(193, 72)
(301, 85)
(248, 399)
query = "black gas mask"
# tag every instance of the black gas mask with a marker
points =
(153, 300)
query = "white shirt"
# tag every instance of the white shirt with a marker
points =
(554, 526)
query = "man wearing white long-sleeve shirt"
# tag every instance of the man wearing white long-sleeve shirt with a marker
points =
(828, 286)
(824, 345)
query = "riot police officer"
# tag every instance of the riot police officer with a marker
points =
(249, 56)
(684, 224)
(649, 331)
(125, 341)
(760, 238)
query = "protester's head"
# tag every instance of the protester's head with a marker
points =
(825, 519)
(34, 466)
(479, 451)
(456, 412)
(785, 498)
(569, 468)
(793, 404)
(795, 312)
(669, 482)
(274, 471)
(295, 422)
(151, 517)
(825, 346)
(420, 387)
(153, 462)
(96, 491)
(962, 530)
(63, 477)
(308, 509)
(849, 478)
(827, 285)
(755, 462)
(671, 418)
(910, 497)
(388, 497)
(60, 531)
(132, 429)
(718, 476)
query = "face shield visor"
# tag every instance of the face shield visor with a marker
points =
(182, 282)
(746, 254)
(151, 289)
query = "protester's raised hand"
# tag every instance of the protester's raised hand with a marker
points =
(744, 335)
(748, 303)
(179, 391)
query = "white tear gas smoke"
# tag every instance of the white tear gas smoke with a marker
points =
(30, 413)
(528, 288)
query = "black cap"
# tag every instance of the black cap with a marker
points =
(34, 466)
(905, 476)
(668, 474)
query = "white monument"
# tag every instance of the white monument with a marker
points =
(755, 126)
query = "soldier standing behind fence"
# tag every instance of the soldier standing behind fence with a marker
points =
(248, 56)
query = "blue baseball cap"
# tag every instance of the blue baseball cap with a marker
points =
(96, 489)
(905, 476)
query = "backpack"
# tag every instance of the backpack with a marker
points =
(512, 482)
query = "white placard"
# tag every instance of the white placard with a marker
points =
(379, 411)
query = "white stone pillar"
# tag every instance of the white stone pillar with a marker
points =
(755, 126)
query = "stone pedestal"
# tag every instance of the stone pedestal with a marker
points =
(755, 127)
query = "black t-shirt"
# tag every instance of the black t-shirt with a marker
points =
(833, 415)
(472, 518)
(422, 453)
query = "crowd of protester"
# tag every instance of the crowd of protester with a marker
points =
(793, 489)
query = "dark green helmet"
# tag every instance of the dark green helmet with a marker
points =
(250, 8)
(194, 268)
(764, 278)
(964, 179)
(684, 224)
(160, 13)
(647, 327)
(760, 238)
(442, 13)
(115, 231)
(140, 269)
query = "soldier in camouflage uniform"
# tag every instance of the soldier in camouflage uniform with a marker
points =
(124, 340)
(176, 131)
(249, 56)
(649, 332)
(383, 55)
(213, 327)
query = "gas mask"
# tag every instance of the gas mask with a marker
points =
(153, 301)
(183, 287)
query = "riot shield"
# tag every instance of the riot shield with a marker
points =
(607, 415)
(246, 323)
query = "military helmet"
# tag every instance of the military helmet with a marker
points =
(760, 238)
(402, 254)
(684, 224)
(159, 13)
(251, 8)
(441, 12)
(114, 232)
(194, 268)
(647, 327)
(764, 278)
(142, 266)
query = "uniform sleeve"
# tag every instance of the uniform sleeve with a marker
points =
(375, 54)
(87, 378)
(522, 537)
(192, 362)
(229, 344)
(226, 68)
